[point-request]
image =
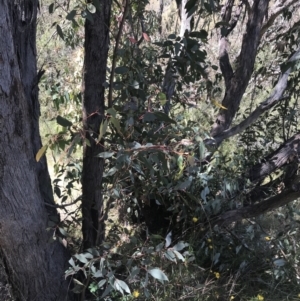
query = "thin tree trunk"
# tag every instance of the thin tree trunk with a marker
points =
(94, 76)
(169, 82)
(35, 266)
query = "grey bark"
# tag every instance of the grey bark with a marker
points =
(35, 266)
(94, 76)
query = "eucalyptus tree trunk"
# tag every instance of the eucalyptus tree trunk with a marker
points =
(94, 76)
(35, 266)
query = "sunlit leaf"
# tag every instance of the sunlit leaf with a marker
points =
(103, 129)
(146, 37)
(168, 239)
(105, 155)
(40, 153)
(158, 274)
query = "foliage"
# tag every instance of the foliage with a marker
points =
(157, 172)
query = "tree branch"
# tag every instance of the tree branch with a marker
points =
(279, 8)
(271, 101)
(285, 154)
(239, 82)
(287, 196)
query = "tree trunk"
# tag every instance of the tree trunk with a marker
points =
(94, 76)
(35, 266)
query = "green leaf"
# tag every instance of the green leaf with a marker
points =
(107, 291)
(101, 283)
(164, 117)
(135, 85)
(74, 142)
(180, 246)
(51, 8)
(71, 262)
(87, 142)
(172, 36)
(158, 274)
(63, 121)
(168, 239)
(81, 258)
(105, 155)
(40, 153)
(89, 16)
(202, 34)
(179, 256)
(60, 32)
(170, 255)
(91, 8)
(116, 123)
(121, 70)
(190, 4)
(112, 112)
(63, 231)
(149, 117)
(135, 271)
(183, 185)
(103, 129)
(285, 66)
(279, 262)
(71, 15)
(162, 98)
(121, 285)
(97, 4)
(111, 172)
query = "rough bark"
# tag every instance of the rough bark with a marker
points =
(35, 266)
(94, 76)
(237, 83)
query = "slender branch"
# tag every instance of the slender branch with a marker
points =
(271, 101)
(114, 61)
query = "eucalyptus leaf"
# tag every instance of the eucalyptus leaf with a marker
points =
(158, 274)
